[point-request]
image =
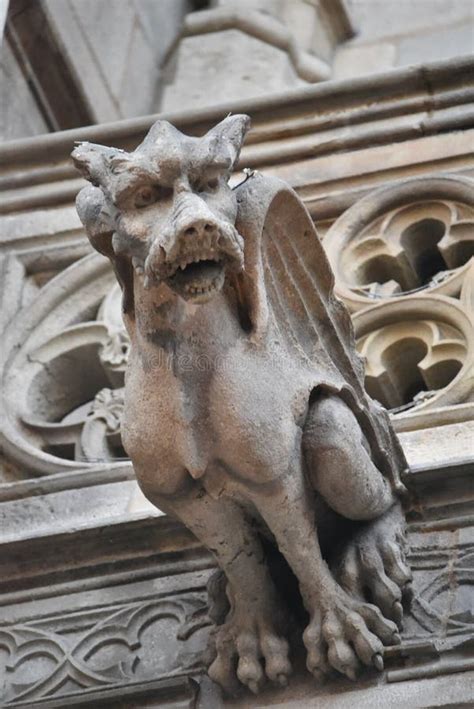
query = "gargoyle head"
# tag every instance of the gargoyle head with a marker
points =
(168, 205)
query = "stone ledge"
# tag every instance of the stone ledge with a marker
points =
(433, 86)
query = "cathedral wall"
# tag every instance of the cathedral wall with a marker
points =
(102, 596)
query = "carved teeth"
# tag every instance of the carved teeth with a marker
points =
(200, 290)
(209, 255)
(137, 265)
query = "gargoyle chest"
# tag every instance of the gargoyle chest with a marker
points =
(256, 406)
(204, 408)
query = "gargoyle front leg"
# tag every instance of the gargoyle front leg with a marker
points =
(343, 473)
(343, 631)
(253, 628)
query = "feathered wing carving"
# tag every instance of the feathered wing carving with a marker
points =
(288, 288)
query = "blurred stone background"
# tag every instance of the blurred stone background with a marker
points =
(69, 63)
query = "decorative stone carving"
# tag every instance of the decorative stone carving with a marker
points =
(419, 352)
(100, 648)
(403, 262)
(56, 357)
(101, 435)
(243, 375)
(416, 236)
(441, 608)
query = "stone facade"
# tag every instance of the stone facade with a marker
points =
(50, 46)
(391, 34)
(103, 597)
(74, 62)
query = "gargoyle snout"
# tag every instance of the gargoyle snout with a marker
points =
(201, 230)
(193, 233)
(196, 229)
(195, 225)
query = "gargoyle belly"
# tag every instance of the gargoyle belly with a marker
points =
(163, 430)
(254, 415)
(241, 420)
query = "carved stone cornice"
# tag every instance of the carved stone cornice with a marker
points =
(310, 122)
(158, 577)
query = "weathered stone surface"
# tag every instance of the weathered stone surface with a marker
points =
(264, 46)
(242, 375)
(19, 114)
(61, 597)
(78, 536)
(391, 34)
(123, 77)
(229, 52)
(359, 60)
(381, 18)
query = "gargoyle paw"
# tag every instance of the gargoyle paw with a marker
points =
(374, 562)
(346, 634)
(245, 645)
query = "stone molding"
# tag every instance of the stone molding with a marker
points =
(303, 123)
(40, 614)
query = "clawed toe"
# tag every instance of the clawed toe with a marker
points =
(249, 657)
(374, 567)
(351, 634)
(275, 652)
(222, 669)
(249, 668)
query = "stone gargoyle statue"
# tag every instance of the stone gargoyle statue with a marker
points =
(245, 410)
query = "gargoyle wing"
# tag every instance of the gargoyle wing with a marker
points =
(288, 288)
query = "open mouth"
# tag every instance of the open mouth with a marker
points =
(197, 277)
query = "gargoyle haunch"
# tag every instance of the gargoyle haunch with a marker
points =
(245, 410)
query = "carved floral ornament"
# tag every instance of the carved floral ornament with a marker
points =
(66, 353)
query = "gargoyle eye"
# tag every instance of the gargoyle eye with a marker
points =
(149, 194)
(208, 185)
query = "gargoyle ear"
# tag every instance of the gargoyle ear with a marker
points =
(160, 135)
(95, 212)
(96, 162)
(229, 135)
